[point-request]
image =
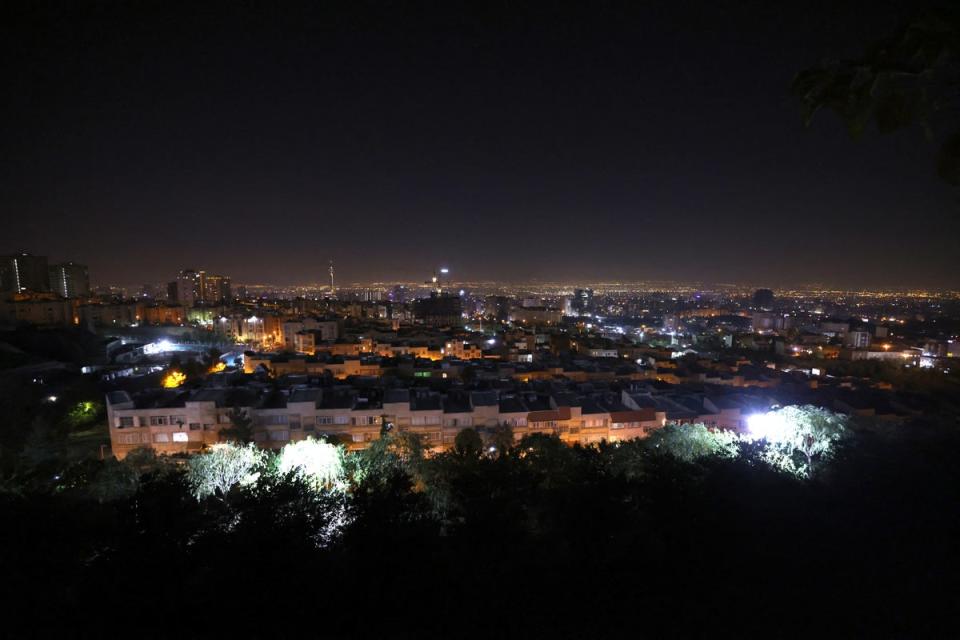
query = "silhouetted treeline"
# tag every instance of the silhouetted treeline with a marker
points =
(542, 540)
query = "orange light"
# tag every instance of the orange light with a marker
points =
(174, 379)
(217, 368)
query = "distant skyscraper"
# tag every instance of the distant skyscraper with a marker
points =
(439, 310)
(189, 287)
(763, 299)
(24, 272)
(582, 301)
(70, 279)
(216, 289)
(399, 294)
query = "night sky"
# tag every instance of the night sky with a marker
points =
(516, 143)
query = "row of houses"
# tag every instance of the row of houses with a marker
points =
(176, 421)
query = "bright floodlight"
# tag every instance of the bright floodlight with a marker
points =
(444, 270)
(770, 426)
(165, 345)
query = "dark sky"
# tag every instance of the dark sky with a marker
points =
(521, 142)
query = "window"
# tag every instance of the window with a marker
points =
(156, 421)
(178, 419)
(129, 438)
(126, 421)
(294, 421)
(357, 437)
(180, 436)
(275, 419)
(279, 436)
(341, 420)
(194, 426)
(208, 427)
(324, 419)
(161, 437)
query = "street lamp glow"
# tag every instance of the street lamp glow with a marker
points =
(770, 426)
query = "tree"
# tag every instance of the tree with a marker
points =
(798, 437)
(224, 467)
(241, 427)
(316, 461)
(689, 442)
(468, 444)
(500, 438)
(910, 77)
(212, 357)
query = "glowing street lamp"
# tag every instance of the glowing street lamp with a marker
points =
(770, 426)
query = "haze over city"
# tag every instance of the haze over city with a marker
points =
(619, 143)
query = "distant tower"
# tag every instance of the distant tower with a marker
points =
(331, 276)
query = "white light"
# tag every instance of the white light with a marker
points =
(51, 398)
(444, 270)
(770, 426)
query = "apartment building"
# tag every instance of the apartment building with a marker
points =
(175, 421)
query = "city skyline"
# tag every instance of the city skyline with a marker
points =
(615, 144)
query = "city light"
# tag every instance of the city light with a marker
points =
(174, 379)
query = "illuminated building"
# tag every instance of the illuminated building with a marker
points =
(69, 279)
(173, 421)
(214, 289)
(536, 315)
(187, 289)
(582, 302)
(439, 310)
(42, 310)
(24, 272)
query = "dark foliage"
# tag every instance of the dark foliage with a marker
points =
(540, 540)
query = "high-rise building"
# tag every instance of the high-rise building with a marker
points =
(70, 280)
(24, 272)
(763, 299)
(582, 302)
(216, 289)
(189, 287)
(439, 310)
